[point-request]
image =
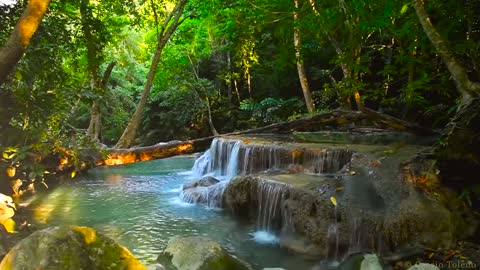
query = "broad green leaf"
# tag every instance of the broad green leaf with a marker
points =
(404, 9)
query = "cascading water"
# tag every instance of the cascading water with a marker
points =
(220, 161)
(333, 239)
(270, 199)
(271, 216)
(229, 157)
(211, 196)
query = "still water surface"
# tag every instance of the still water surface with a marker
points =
(138, 206)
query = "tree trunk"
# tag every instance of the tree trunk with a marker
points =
(130, 132)
(20, 38)
(207, 101)
(465, 86)
(93, 130)
(210, 119)
(302, 75)
(95, 125)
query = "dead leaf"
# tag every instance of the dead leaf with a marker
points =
(333, 200)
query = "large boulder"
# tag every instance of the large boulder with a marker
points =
(69, 247)
(198, 253)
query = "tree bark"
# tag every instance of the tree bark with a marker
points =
(130, 132)
(302, 75)
(465, 86)
(95, 125)
(19, 40)
(158, 151)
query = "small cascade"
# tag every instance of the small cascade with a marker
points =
(333, 239)
(200, 167)
(326, 161)
(210, 196)
(364, 240)
(358, 237)
(270, 199)
(229, 157)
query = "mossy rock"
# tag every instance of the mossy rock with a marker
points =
(198, 253)
(69, 247)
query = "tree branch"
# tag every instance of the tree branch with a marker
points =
(20, 38)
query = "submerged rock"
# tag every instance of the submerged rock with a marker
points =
(69, 247)
(198, 253)
(204, 182)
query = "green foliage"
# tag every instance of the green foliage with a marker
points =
(272, 110)
(236, 56)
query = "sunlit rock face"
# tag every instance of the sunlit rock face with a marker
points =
(198, 253)
(69, 247)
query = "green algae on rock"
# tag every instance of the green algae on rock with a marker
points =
(69, 248)
(198, 253)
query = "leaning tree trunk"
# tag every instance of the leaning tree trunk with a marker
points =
(465, 86)
(459, 154)
(20, 38)
(130, 132)
(302, 75)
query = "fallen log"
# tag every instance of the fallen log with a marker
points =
(158, 151)
(336, 118)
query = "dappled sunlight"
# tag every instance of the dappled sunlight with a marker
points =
(59, 202)
(30, 20)
(89, 234)
(153, 152)
(7, 211)
(118, 159)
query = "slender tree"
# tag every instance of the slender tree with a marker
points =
(95, 125)
(171, 23)
(302, 74)
(19, 40)
(467, 88)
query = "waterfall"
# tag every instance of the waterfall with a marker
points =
(358, 237)
(333, 239)
(229, 157)
(211, 196)
(270, 199)
(200, 167)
